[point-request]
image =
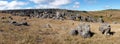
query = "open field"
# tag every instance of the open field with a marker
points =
(56, 33)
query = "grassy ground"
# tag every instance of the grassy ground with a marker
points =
(57, 33)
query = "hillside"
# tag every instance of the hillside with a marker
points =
(55, 31)
(109, 15)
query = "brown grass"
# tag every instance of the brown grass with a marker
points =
(58, 33)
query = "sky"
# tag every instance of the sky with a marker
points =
(87, 5)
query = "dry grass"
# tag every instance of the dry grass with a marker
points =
(57, 33)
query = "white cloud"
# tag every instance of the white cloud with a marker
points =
(14, 8)
(50, 3)
(46, 6)
(107, 7)
(11, 5)
(76, 5)
(3, 3)
(15, 4)
(60, 2)
(37, 1)
(90, 1)
(28, 7)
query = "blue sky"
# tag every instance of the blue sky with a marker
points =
(87, 5)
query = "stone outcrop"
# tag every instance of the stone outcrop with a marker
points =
(54, 14)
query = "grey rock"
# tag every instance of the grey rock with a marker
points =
(72, 18)
(105, 29)
(101, 20)
(84, 30)
(19, 24)
(25, 24)
(53, 14)
(15, 23)
(10, 17)
(83, 18)
(48, 26)
(74, 32)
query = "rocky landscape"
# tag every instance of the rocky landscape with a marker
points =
(59, 26)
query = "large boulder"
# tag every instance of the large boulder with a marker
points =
(105, 29)
(84, 30)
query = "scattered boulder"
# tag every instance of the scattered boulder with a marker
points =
(25, 24)
(57, 15)
(90, 19)
(45, 16)
(82, 18)
(15, 23)
(48, 26)
(84, 30)
(72, 18)
(10, 17)
(3, 17)
(101, 20)
(74, 32)
(105, 29)
(19, 24)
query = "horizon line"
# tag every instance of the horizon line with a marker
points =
(59, 8)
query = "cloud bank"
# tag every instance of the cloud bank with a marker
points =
(17, 4)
